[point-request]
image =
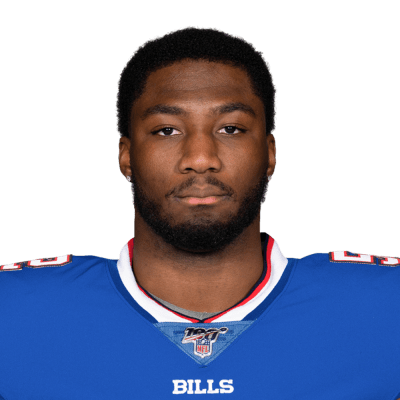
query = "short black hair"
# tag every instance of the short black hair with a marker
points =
(196, 44)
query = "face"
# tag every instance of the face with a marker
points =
(198, 155)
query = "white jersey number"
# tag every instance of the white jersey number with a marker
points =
(39, 263)
(348, 257)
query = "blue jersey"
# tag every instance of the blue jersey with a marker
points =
(80, 327)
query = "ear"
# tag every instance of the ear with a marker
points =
(271, 154)
(125, 157)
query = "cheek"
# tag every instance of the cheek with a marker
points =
(153, 170)
(247, 166)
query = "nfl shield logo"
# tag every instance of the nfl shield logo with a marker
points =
(202, 348)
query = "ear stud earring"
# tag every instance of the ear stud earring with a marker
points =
(128, 178)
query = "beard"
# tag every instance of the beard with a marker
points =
(202, 235)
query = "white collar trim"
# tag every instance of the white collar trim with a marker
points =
(278, 264)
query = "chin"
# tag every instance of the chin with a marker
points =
(201, 233)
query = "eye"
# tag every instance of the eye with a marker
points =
(167, 131)
(231, 129)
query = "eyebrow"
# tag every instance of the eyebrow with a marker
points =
(231, 107)
(162, 109)
(222, 109)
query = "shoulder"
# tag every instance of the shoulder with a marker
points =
(341, 271)
(39, 273)
(53, 262)
(52, 284)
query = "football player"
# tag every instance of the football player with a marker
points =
(200, 301)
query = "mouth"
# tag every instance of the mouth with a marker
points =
(201, 200)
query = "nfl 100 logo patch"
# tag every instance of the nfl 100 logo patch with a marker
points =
(202, 339)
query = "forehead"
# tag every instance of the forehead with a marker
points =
(192, 81)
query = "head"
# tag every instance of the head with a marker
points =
(196, 111)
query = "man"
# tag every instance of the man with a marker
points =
(200, 302)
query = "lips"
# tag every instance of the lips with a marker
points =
(201, 193)
(201, 200)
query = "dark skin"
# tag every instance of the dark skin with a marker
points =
(195, 143)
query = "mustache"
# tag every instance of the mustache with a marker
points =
(193, 181)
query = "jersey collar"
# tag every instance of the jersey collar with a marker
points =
(274, 266)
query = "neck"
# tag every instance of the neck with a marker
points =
(203, 282)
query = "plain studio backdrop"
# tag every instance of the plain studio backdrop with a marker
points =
(335, 65)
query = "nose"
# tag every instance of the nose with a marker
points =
(200, 153)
